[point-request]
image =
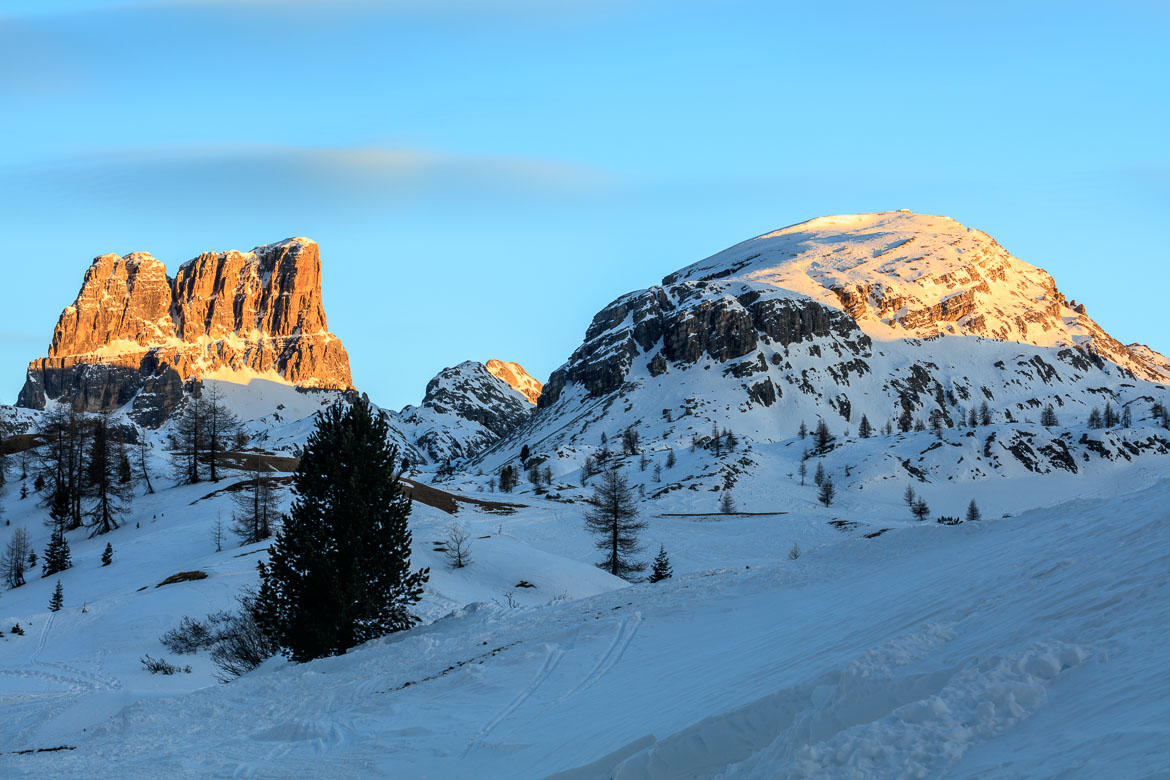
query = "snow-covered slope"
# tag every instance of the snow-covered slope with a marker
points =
(1023, 646)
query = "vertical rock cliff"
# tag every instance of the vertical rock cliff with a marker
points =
(133, 335)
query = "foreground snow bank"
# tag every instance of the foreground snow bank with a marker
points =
(1024, 646)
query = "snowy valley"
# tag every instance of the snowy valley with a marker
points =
(804, 632)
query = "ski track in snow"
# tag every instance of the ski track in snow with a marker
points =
(553, 656)
(610, 658)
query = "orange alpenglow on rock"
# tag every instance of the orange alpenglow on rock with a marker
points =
(515, 375)
(135, 336)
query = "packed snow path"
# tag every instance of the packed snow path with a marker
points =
(1022, 646)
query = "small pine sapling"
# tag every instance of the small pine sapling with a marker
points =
(58, 599)
(108, 555)
(662, 569)
(794, 553)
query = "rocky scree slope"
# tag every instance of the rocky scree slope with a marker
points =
(135, 336)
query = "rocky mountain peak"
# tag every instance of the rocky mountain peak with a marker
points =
(905, 275)
(515, 375)
(465, 409)
(134, 335)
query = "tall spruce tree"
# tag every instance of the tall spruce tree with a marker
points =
(339, 570)
(973, 513)
(613, 519)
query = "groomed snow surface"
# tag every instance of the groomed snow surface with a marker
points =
(1031, 645)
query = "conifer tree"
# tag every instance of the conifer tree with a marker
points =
(670, 459)
(108, 555)
(58, 599)
(102, 486)
(255, 507)
(143, 447)
(827, 492)
(221, 427)
(188, 445)
(57, 557)
(15, 558)
(819, 476)
(1048, 417)
(973, 513)
(908, 496)
(794, 553)
(613, 519)
(661, 569)
(726, 503)
(823, 438)
(339, 570)
(905, 420)
(1109, 417)
(803, 430)
(1126, 418)
(864, 429)
(984, 414)
(802, 469)
(920, 510)
(1095, 418)
(524, 454)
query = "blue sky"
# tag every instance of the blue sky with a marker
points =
(484, 175)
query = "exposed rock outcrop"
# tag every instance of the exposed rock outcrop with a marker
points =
(135, 336)
(681, 323)
(466, 409)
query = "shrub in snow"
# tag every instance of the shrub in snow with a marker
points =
(190, 636)
(161, 666)
(457, 545)
(944, 520)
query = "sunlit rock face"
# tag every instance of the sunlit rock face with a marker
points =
(516, 377)
(905, 275)
(135, 336)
